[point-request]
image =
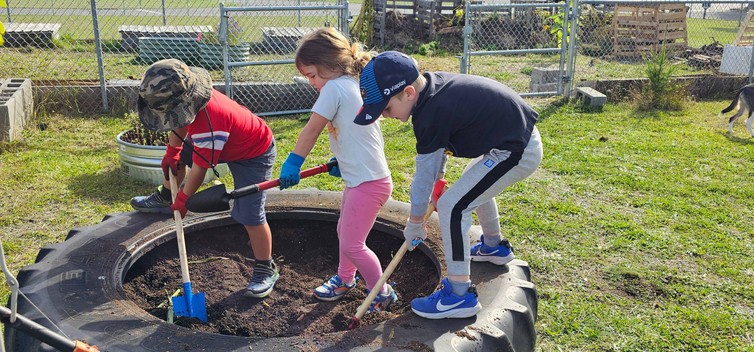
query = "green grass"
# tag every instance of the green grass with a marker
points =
(638, 228)
(700, 32)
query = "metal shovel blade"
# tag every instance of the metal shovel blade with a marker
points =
(210, 200)
(190, 305)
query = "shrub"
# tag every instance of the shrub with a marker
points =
(661, 92)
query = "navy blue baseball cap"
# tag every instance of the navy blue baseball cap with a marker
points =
(383, 77)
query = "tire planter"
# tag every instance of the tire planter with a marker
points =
(78, 286)
(142, 162)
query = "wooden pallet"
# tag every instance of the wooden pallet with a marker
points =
(745, 36)
(645, 29)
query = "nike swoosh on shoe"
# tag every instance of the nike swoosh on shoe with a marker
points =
(442, 308)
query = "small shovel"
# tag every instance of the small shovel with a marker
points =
(216, 199)
(189, 305)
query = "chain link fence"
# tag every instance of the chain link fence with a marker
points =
(524, 43)
(702, 37)
(72, 48)
(524, 40)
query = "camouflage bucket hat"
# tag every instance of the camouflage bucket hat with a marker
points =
(171, 93)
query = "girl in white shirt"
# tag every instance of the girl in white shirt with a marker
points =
(332, 65)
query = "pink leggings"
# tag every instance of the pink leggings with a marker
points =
(357, 215)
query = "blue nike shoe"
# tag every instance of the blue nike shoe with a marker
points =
(445, 304)
(499, 255)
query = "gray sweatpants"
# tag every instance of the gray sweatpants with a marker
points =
(484, 178)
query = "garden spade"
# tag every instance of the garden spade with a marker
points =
(216, 199)
(189, 305)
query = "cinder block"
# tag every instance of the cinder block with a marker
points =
(16, 105)
(540, 75)
(8, 117)
(590, 96)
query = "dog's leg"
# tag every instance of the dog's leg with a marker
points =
(748, 123)
(733, 119)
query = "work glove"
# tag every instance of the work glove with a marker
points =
(414, 234)
(440, 186)
(289, 173)
(180, 203)
(335, 170)
(171, 161)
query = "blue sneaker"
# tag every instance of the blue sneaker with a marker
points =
(334, 289)
(500, 255)
(262, 280)
(157, 202)
(382, 301)
(445, 304)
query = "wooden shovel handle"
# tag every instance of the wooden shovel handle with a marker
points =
(179, 231)
(386, 274)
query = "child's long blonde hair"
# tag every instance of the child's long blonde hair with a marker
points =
(328, 48)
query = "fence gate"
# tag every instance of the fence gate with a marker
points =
(533, 37)
(260, 73)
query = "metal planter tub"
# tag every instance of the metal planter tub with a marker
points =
(142, 162)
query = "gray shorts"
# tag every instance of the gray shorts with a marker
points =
(249, 210)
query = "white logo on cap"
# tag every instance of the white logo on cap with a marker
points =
(400, 84)
(368, 117)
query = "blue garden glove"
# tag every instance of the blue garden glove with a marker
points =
(335, 170)
(289, 173)
(414, 234)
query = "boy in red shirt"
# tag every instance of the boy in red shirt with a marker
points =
(212, 128)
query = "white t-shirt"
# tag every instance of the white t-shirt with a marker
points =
(360, 150)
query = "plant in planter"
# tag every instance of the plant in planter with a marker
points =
(211, 47)
(140, 152)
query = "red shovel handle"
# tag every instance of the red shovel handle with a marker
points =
(276, 182)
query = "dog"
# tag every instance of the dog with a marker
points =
(744, 102)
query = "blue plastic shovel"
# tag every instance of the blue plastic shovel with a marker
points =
(189, 305)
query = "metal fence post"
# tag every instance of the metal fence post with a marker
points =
(7, 11)
(466, 38)
(751, 66)
(223, 34)
(344, 19)
(164, 14)
(100, 60)
(574, 13)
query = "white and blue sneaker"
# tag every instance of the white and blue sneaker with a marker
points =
(445, 304)
(334, 289)
(500, 255)
(383, 300)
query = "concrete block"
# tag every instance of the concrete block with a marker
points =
(16, 105)
(540, 75)
(590, 96)
(9, 130)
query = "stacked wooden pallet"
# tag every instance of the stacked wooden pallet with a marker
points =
(644, 29)
(745, 36)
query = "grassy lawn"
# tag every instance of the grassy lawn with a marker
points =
(638, 228)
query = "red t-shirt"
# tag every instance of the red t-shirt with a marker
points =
(235, 134)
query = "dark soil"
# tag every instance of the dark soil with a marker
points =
(306, 252)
